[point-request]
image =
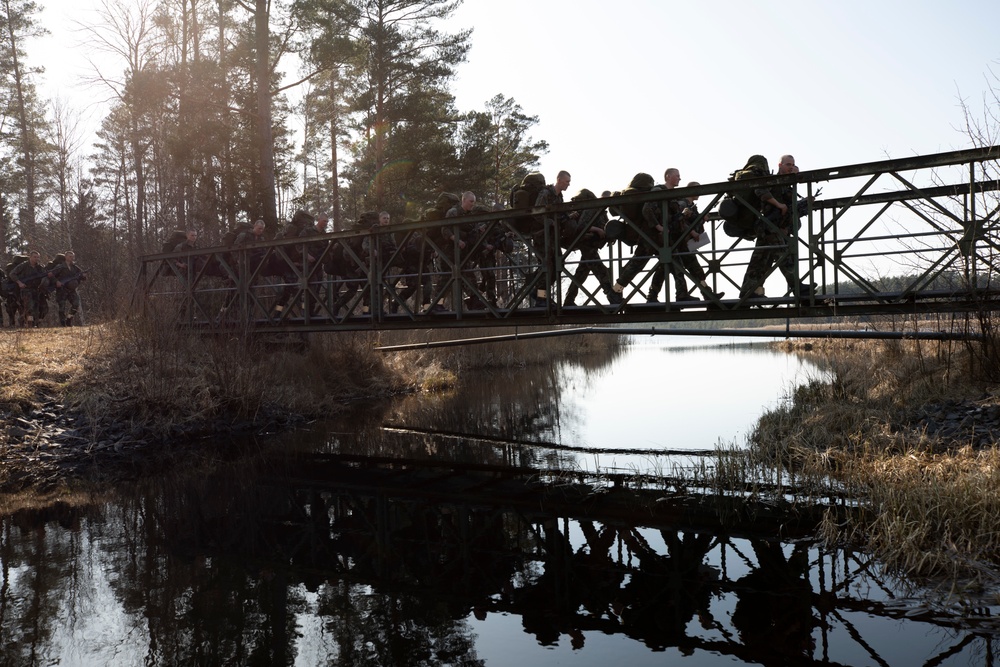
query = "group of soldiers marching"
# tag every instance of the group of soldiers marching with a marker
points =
(436, 264)
(421, 265)
(27, 283)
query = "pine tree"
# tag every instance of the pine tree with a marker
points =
(27, 142)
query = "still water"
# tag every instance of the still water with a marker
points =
(413, 533)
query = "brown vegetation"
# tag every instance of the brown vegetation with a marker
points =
(131, 386)
(928, 501)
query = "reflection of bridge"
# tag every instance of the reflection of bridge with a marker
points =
(569, 560)
(893, 219)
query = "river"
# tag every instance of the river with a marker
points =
(473, 527)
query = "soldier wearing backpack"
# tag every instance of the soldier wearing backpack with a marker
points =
(545, 240)
(589, 229)
(30, 278)
(465, 235)
(11, 292)
(67, 277)
(8, 296)
(651, 227)
(775, 243)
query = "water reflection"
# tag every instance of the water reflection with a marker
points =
(311, 560)
(438, 542)
(629, 412)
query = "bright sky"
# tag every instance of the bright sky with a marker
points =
(640, 85)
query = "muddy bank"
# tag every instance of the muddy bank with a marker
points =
(100, 404)
(51, 447)
(107, 403)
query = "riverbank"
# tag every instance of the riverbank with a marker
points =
(908, 431)
(107, 403)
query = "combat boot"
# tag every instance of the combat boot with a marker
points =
(570, 298)
(707, 293)
(684, 295)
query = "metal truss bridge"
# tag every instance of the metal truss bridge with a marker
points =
(910, 236)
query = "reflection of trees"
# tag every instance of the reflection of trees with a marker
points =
(191, 608)
(40, 551)
(279, 560)
(221, 572)
(521, 405)
(504, 409)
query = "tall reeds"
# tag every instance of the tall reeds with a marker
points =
(927, 503)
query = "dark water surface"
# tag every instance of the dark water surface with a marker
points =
(426, 532)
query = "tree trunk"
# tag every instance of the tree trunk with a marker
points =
(27, 147)
(334, 157)
(265, 136)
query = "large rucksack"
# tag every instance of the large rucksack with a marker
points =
(229, 238)
(293, 228)
(176, 237)
(525, 195)
(445, 201)
(740, 221)
(14, 261)
(641, 182)
(569, 232)
(60, 258)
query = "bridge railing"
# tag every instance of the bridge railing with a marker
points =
(900, 235)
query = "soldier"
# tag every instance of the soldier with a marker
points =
(380, 253)
(68, 277)
(680, 229)
(651, 226)
(189, 243)
(29, 277)
(545, 241)
(8, 298)
(248, 264)
(775, 241)
(589, 246)
(5, 288)
(464, 236)
(302, 255)
(434, 237)
(322, 222)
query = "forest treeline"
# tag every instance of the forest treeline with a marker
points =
(204, 124)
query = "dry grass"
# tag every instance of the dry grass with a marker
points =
(508, 354)
(928, 505)
(150, 373)
(156, 374)
(42, 363)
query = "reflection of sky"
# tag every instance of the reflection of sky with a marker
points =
(669, 393)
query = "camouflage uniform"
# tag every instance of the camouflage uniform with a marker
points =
(33, 296)
(437, 239)
(5, 291)
(775, 242)
(470, 234)
(589, 246)
(644, 250)
(678, 232)
(67, 278)
(546, 243)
